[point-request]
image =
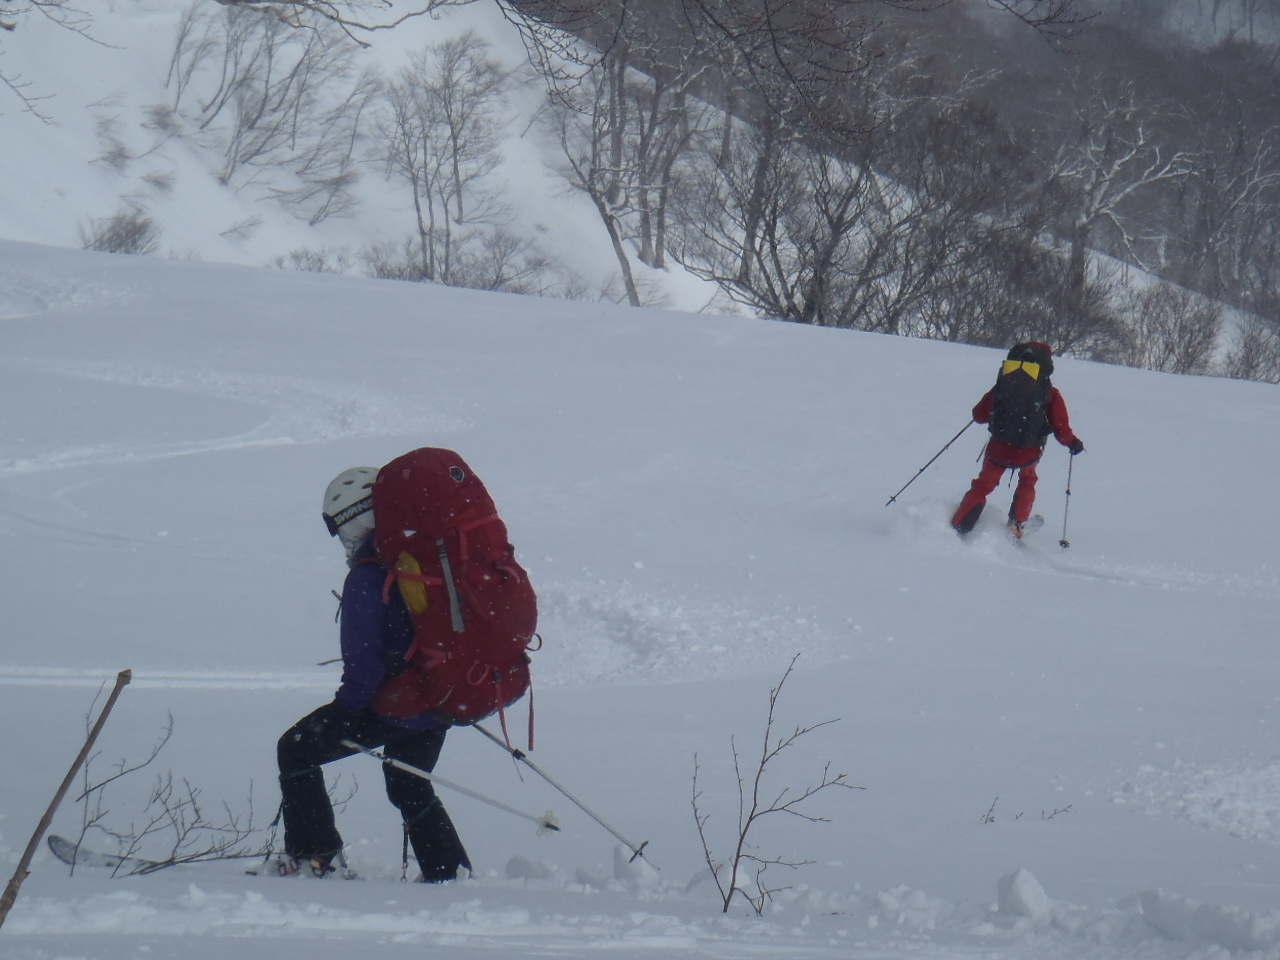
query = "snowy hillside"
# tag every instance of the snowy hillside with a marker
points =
(99, 140)
(697, 499)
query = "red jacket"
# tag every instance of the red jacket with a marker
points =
(1006, 454)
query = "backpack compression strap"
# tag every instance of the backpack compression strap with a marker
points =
(455, 607)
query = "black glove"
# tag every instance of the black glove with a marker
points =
(1077, 446)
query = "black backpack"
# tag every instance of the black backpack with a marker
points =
(1021, 397)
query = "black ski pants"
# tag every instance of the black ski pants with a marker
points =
(316, 739)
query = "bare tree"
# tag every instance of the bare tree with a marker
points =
(668, 121)
(772, 39)
(858, 236)
(404, 135)
(16, 12)
(355, 18)
(283, 106)
(1226, 210)
(324, 173)
(1052, 18)
(787, 229)
(1111, 155)
(793, 58)
(439, 123)
(1250, 20)
(587, 128)
(467, 88)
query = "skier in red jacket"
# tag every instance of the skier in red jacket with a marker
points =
(1022, 410)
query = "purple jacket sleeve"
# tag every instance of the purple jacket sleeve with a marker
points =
(363, 635)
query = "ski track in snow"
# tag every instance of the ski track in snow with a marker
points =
(294, 411)
(926, 525)
(602, 634)
(27, 676)
(30, 291)
(607, 632)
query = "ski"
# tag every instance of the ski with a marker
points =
(80, 856)
(1034, 523)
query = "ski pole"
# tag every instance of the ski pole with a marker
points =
(545, 822)
(1064, 542)
(518, 754)
(930, 463)
(11, 891)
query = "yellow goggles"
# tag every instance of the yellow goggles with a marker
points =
(1032, 369)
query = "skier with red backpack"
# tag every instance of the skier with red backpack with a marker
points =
(1021, 410)
(435, 619)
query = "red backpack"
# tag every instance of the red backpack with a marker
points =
(474, 611)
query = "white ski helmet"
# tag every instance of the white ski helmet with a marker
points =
(348, 504)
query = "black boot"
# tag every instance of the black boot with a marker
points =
(436, 845)
(970, 520)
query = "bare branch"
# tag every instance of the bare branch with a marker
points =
(353, 17)
(173, 821)
(1056, 20)
(752, 808)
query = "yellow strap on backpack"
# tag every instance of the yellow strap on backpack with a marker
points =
(1032, 368)
(412, 589)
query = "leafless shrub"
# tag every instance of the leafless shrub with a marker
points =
(386, 261)
(1255, 354)
(162, 181)
(755, 802)
(129, 231)
(1170, 329)
(174, 827)
(486, 260)
(115, 153)
(310, 260)
(500, 260)
(243, 229)
(990, 815)
(163, 119)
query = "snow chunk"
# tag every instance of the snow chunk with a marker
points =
(633, 871)
(1019, 894)
(522, 868)
(1180, 919)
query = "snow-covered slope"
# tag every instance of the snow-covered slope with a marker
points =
(698, 499)
(89, 148)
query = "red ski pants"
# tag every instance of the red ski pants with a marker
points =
(1024, 496)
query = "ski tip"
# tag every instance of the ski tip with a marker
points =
(60, 846)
